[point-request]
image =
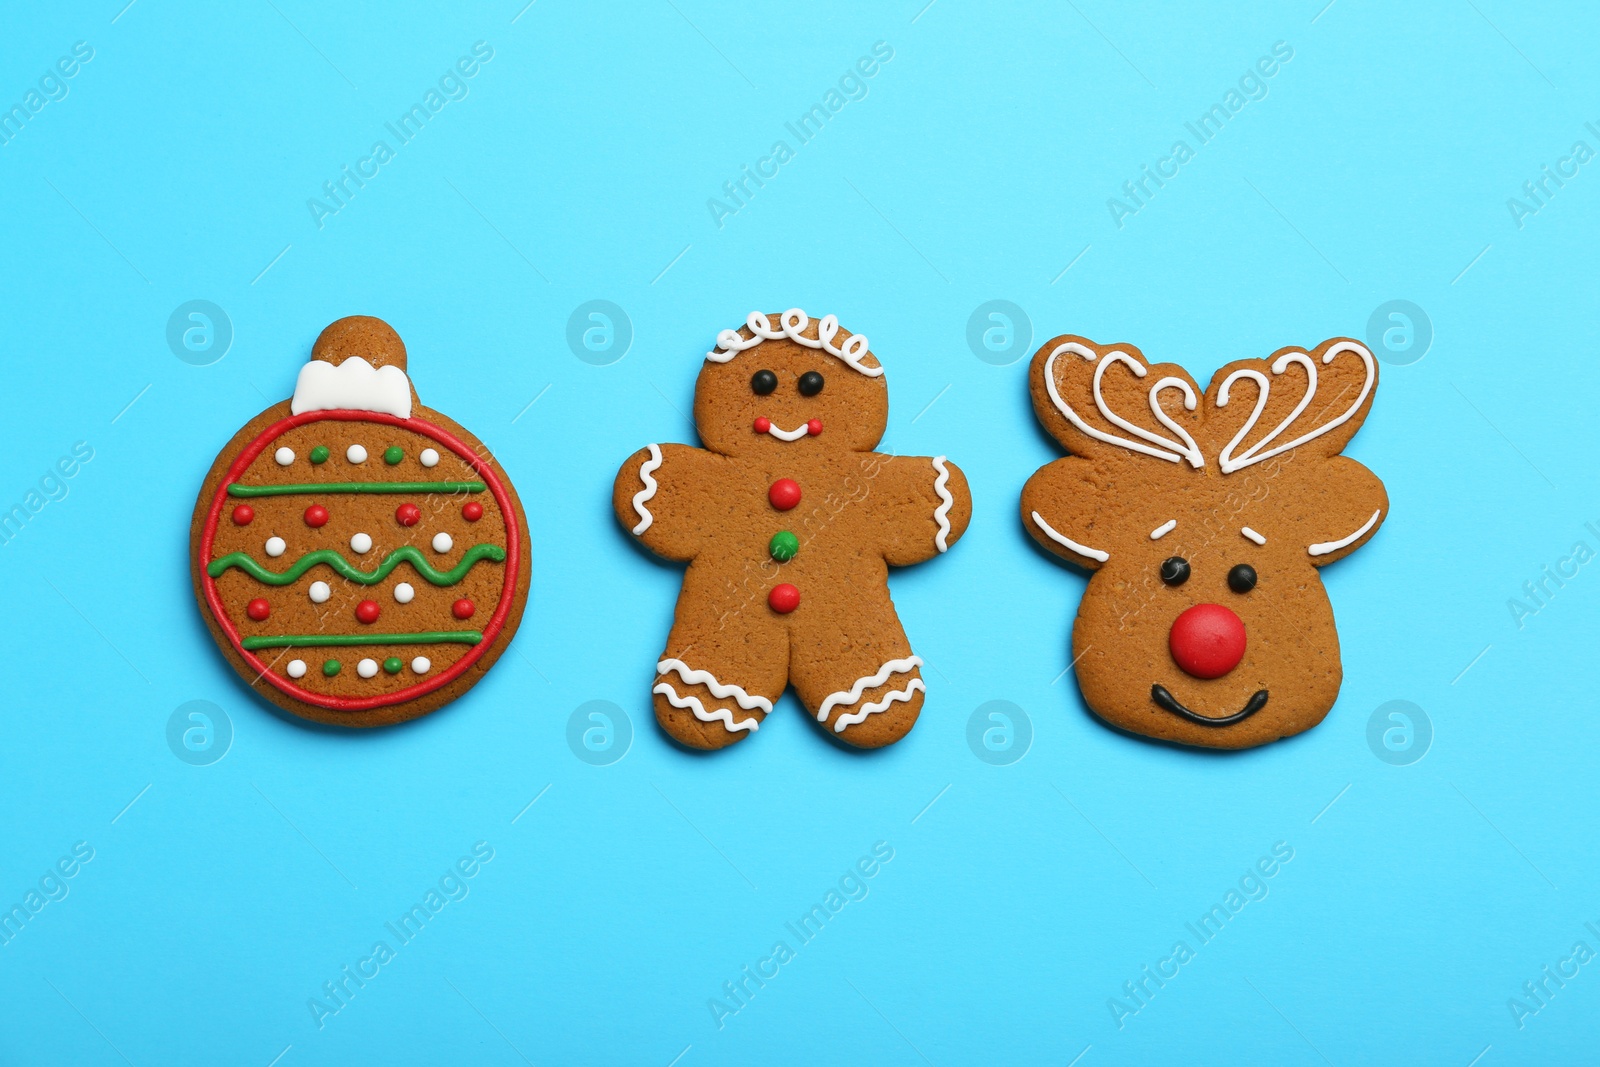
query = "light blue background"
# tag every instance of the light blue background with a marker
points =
(978, 168)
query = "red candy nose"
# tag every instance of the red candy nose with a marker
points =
(1207, 641)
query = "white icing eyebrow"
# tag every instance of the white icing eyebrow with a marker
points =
(1062, 539)
(1322, 548)
(1257, 538)
(1165, 528)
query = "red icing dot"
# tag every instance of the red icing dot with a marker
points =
(763, 424)
(814, 427)
(1207, 641)
(784, 494)
(408, 514)
(367, 612)
(258, 609)
(472, 512)
(243, 514)
(783, 598)
(463, 608)
(316, 515)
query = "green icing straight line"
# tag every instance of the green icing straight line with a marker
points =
(346, 569)
(432, 637)
(355, 487)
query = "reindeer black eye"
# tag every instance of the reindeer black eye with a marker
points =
(1242, 579)
(763, 382)
(1175, 571)
(810, 383)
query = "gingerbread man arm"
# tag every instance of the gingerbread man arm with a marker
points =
(922, 505)
(657, 491)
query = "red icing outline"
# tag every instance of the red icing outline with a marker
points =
(490, 631)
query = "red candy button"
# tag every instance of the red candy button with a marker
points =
(783, 599)
(258, 609)
(316, 515)
(472, 512)
(763, 424)
(814, 427)
(408, 514)
(1207, 641)
(367, 611)
(243, 514)
(784, 494)
(463, 608)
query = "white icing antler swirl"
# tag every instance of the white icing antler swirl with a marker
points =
(792, 324)
(1182, 449)
(1254, 454)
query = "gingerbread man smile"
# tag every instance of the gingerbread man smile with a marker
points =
(789, 545)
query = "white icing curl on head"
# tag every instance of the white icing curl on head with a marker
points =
(792, 324)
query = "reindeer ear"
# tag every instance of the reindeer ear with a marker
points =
(1315, 401)
(1338, 507)
(1068, 509)
(1105, 400)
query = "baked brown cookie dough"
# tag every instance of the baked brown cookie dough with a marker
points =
(1205, 520)
(360, 559)
(789, 522)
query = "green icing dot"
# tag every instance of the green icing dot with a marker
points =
(319, 454)
(393, 454)
(330, 668)
(393, 664)
(783, 546)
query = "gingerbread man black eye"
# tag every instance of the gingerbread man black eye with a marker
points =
(810, 383)
(763, 382)
(1175, 571)
(1242, 578)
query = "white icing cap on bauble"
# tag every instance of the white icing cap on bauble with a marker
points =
(354, 384)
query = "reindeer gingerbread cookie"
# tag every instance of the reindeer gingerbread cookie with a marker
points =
(789, 522)
(1205, 520)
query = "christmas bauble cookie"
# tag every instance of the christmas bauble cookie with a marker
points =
(360, 559)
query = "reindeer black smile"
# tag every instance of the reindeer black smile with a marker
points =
(1164, 699)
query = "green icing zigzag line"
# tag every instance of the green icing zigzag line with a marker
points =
(346, 569)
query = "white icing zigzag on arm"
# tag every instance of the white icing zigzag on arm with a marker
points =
(941, 515)
(846, 698)
(895, 697)
(722, 715)
(1184, 450)
(792, 324)
(1228, 463)
(718, 689)
(646, 468)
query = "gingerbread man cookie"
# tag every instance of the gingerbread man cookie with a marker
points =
(789, 522)
(1205, 521)
(359, 558)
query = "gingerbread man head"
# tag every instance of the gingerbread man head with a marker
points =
(1205, 520)
(798, 393)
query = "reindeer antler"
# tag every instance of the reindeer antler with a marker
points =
(1229, 463)
(1175, 451)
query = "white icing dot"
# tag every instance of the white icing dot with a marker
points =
(355, 454)
(420, 665)
(403, 593)
(429, 457)
(320, 592)
(367, 668)
(284, 456)
(361, 542)
(442, 542)
(297, 668)
(276, 546)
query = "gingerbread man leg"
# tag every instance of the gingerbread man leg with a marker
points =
(857, 676)
(721, 673)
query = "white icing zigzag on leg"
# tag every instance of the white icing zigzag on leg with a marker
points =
(942, 514)
(722, 715)
(895, 697)
(718, 689)
(894, 666)
(647, 468)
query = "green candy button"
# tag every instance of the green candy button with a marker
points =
(783, 546)
(393, 454)
(330, 667)
(319, 454)
(392, 665)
